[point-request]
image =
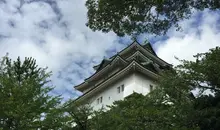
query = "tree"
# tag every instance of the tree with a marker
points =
(172, 105)
(133, 17)
(24, 99)
(208, 112)
(202, 108)
(78, 116)
(138, 112)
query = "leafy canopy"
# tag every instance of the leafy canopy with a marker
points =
(24, 99)
(133, 17)
(78, 115)
(172, 105)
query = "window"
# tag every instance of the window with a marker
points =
(99, 100)
(118, 89)
(122, 87)
(151, 87)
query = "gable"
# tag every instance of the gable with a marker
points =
(146, 50)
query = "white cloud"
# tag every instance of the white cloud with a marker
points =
(200, 33)
(56, 36)
(54, 33)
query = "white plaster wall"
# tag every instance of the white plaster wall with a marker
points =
(130, 88)
(143, 83)
(140, 84)
(132, 83)
(110, 94)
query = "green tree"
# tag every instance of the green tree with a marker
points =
(24, 100)
(204, 74)
(208, 112)
(142, 16)
(138, 112)
(172, 105)
(78, 116)
(176, 86)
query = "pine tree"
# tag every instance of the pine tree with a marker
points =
(24, 99)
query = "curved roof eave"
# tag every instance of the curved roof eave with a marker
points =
(134, 63)
(89, 78)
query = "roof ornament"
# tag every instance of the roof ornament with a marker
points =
(134, 38)
(148, 46)
(146, 42)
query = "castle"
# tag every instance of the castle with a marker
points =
(134, 69)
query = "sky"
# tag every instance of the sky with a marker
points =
(54, 33)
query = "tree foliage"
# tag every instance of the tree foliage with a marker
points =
(138, 112)
(142, 16)
(172, 105)
(24, 99)
(78, 115)
(26, 104)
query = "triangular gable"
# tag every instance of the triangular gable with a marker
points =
(152, 56)
(128, 48)
(137, 53)
(131, 45)
(135, 45)
(145, 49)
(147, 63)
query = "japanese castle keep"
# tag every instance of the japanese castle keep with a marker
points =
(133, 69)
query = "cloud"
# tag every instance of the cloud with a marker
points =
(200, 33)
(54, 33)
